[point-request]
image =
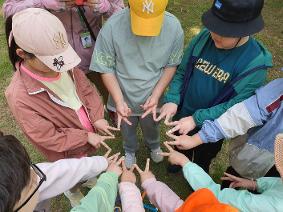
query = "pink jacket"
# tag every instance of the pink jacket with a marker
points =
(53, 128)
(71, 20)
(157, 192)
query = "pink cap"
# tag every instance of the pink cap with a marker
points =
(39, 32)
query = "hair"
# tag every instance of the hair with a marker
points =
(14, 171)
(12, 47)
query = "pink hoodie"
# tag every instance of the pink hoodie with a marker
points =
(71, 20)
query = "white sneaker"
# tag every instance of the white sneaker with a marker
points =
(155, 156)
(90, 183)
(74, 198)
(130, 159)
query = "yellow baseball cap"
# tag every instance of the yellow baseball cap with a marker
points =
(147, 16)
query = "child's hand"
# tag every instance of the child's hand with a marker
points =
(167, 111)
(103, 127)
(184, 125)
(184, 142)
(123, 111)
(114, 165)
(175, 157)
(146, 174)
(150, 106)
(128, 175)
(95, 140)
(237, 182)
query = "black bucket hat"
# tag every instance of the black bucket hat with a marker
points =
(234, 18)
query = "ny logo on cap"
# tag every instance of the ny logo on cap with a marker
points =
(218, 4)
(59, 40)
(148, 6)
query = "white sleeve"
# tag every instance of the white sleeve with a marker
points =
(64, 174)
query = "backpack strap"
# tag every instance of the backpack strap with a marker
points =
(228, 90)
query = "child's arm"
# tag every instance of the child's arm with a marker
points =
(10, 7)
(241, 199)
(102, 196)
(161, 195)
(64, 174)
(130, 197)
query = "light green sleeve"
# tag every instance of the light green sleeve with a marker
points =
(241, 199)
(266, 183)
(244, 89)
(103, 57)
(102, 196)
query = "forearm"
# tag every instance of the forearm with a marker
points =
(161, 195)
(66, 173)
(130, 197)
(164, 81)
(111, 83)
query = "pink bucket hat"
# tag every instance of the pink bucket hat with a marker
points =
(278, 153)
(39, 32)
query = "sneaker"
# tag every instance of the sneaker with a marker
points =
(130, 159)
(90, 183)
(155, 156)
(74, 198)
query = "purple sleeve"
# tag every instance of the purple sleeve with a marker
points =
(161, 195)
(10, 7)
(130, 197)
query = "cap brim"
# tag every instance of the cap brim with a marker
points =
(62, 62)
(231, 29)
(278, 154)
(146, 26)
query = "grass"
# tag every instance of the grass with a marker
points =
(189, 13)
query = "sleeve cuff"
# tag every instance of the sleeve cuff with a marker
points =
(203, 136)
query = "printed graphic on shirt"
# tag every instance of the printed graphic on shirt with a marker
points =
(104, 59)
(212, 70)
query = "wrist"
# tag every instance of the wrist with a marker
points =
(184, 161)
(197, 139)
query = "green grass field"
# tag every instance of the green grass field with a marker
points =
(189, 13)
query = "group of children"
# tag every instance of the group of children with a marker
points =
(139, 53)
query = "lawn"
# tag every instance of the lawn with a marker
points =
(189, 13)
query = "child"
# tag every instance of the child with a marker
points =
(77, 30)
(262, 114)
(223, 65)
(53, 102)
(24, 186)
(137, 52)
(269, 198)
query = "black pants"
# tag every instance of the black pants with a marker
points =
(203, 154)
(225, 183)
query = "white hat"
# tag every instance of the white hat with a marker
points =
(39, 32)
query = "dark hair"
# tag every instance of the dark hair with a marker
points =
(14, 171)
(14, 58)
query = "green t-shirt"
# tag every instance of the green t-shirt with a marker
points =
(137, 62)
(213, 70)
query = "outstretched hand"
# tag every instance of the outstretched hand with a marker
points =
(238, 182)
(104, 128)
(184, 142)
(128, 175)
(114, 164)
(146, 174)
(183, 126)
(174, 157)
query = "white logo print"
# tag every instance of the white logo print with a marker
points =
(148, 6)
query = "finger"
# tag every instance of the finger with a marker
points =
(119, 121)
(124, 166)
(132, 168)
(165, 154)
(174, 129)
(168, 147)
(167, 119)
(127, 121)
(138, 169)
(102, 132)
(231, 176)
(113, 128)
(107, 137)
(109, 133)
(115, 158)
(105, 145)
(146, 113)
(120, 160)
(147, 165)
(175, 137)
(174, 123)
(161, 116)
(111, 158)
(186, 131)
(174, 143)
